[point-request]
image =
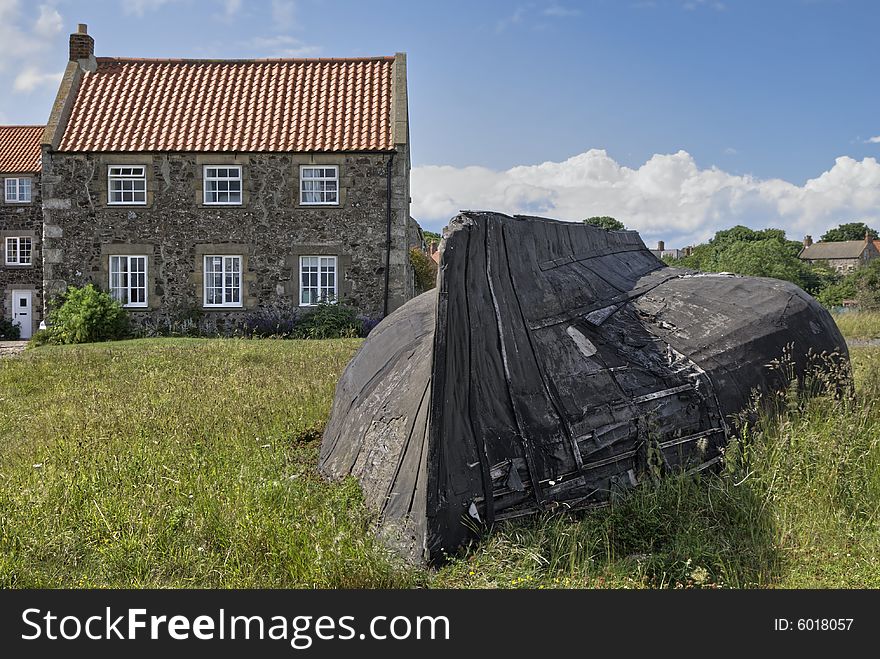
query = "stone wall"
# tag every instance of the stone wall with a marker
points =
(269, 230)
(22, 220)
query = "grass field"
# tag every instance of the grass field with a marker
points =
(859, 324)
(191, 463)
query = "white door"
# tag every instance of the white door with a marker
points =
(22, 312)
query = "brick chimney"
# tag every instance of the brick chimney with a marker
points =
(82, 46)
(661, 245)
(808, 240)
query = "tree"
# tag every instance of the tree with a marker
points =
(849, 231)
(424, 269)
(762, 253)
(866, 282)
(605, 222)
(431, 237)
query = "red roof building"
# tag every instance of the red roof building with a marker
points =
(20, 149)
(235, 188)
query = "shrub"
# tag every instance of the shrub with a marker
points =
(86, 315)
(329, 321)
(9, 331)
(367, 324)
(424, 268)
(272, 323)
(43, 337)
(181, 320)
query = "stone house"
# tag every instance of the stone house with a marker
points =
(662, 252)
(21, 221)
(845, 256)
(223, 188)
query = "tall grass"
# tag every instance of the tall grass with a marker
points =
(859, 324)
(796, 505)
(191, 463)
(185, 463)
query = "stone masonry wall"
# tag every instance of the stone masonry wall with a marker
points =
(270, 229)
(22, 220)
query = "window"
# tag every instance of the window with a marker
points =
(319, 185)
(18, 190)
(127, 185)
(18, 251)
(317, 277)
(222, 281)
(222, 184)
(128, 280)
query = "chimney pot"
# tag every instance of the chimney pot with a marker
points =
(661, 245)
(808, 240)
(82, 28)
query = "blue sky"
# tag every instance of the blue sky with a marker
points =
(678, 116)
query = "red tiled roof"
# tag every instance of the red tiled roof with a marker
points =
(233, 105)
(20, 148)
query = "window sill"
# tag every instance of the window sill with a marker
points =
(19, 266)
(17, 203)
(138, 308)
(221, 307)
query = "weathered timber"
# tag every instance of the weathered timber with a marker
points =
(556, 364)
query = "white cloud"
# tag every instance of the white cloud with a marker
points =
(16, 42)
(283, 14)
(513, 19)
(141, 7)
(27, 45)
(231, 8)
(31, 78)
(280, 46)
(48, 23)
(529, 15)
(873, 140)
(730, 151)
(668, 197)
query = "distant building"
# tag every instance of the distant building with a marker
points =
(661, 252)
(21, 227)
(845, 256)
(434, 252)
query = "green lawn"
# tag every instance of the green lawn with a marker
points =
(191, 463)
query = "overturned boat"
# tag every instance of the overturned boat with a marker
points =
(555, 364)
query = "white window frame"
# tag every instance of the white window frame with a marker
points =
(115, 291)
(22, 190)
(325, 291)
(132, 176)
(322, 178)
(230, 265)
(17, 259)
(229, 178)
